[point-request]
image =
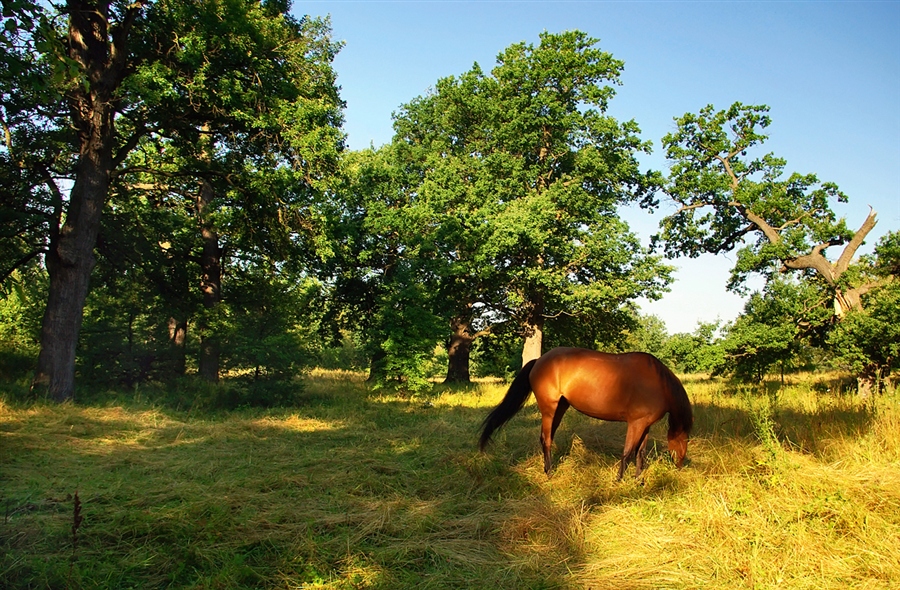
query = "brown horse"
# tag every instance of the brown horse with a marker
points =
(634, 387)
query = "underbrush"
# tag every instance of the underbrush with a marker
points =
(791, 487)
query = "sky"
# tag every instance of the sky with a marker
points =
(829, 71)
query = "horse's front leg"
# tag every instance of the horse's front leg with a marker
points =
(635, 439)
(641, 459)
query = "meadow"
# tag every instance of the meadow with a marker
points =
(791, 487)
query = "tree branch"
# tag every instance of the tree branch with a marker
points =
(814, 260)
(20, 263)
(691, 207)
(850, 250)
(729, 241)
(770, 232)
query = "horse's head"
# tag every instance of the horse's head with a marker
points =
(678, 447)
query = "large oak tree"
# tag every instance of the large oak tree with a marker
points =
(728, 199)
(518, 175)
(231, 88)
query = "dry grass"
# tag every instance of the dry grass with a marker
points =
(354, 489)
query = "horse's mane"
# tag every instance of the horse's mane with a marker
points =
(681, 417)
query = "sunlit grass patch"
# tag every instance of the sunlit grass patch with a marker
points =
(360, 489)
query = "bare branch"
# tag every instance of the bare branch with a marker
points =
(690, 207)
(850, 250)
(816, 261)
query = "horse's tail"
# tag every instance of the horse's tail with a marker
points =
(512, 402)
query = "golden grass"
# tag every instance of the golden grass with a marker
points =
(797, 488)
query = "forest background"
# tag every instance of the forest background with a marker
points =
(179, 200)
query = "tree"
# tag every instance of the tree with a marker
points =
(380, 278)
(564, 167)
(89, 63)
(217, 91)
(31, 157)
(255, 140)
(727, 200)
(519, 174)
(867, 340)
(700, 352)
(774, 328)
(648, 334)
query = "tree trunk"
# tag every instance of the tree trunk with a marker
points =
(868, 383)
(69, 264)
(458, 351)
(70, 258)
(177, 339)
(534, 332)
(377, 366)
(210, 285)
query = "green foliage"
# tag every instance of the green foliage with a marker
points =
(21, 307)
(648, 334)
(729, 199)
(264, 336)
(382, 285)
(775, 328)
(514, 178)
(35, 138)
(700, 352)
(124, 339)
(867, 342)
(887, 253)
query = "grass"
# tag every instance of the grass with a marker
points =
(358, 489)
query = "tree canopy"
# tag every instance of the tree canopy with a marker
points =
(517, 176)
(730, 200)
(174, 184)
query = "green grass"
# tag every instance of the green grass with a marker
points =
(361, 489)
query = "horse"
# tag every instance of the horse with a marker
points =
(633, 387)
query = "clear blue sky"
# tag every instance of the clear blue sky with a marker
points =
(830, 71)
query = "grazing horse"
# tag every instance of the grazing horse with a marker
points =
(634, 387)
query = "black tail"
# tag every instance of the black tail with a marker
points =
(512, 402)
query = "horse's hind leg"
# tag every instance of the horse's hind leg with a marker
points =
(549, 424)
(546, 440)
(641, 458)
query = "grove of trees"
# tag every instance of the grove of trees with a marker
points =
(176, 199)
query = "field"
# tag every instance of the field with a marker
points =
(797, 488)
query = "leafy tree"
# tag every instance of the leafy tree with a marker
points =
(21, 299)
(254, 145)
(774, 328)
(518, 174)
(867, 340)
(440, 145)
(699, 352)
(31, 156)
(89, 61)
(381, 281)
(213, 94)
(648, 334)
(564, 167)
(730, 200)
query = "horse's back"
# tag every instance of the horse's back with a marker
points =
(603, 385)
